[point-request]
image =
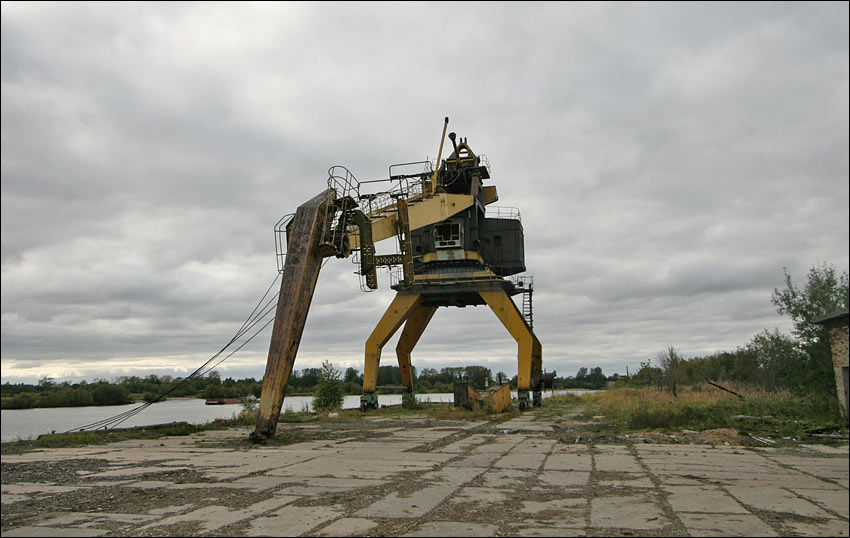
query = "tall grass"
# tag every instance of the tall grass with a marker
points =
(700, 409)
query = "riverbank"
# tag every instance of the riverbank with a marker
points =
(26, 424)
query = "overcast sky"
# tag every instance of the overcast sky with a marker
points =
(668, 161)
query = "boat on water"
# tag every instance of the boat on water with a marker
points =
(223, 401)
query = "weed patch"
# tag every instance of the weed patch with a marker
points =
(635, 409)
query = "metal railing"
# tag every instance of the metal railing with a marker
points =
(280, 243)
(523, 282)
(347, 189)
(502, 212)
(407, 186)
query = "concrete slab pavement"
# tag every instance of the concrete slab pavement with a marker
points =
(426, 480)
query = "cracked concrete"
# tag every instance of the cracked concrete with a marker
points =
(429, 478)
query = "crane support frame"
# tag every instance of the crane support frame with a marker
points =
(415, 308)
(529, 349)
(396, 314)
(414, 326)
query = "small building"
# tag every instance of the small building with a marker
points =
(838, 323)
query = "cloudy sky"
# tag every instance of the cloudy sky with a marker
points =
(668, 161)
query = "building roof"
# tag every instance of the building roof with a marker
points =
(834, 316)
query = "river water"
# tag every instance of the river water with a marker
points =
(19, 424)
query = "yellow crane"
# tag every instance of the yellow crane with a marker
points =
(452, 251)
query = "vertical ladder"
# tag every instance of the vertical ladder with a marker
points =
(526, 284)
(527, 306)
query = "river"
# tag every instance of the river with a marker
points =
(21, 424)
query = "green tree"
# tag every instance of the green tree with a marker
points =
(22, 400)
(822, 294)
(107, 394)
(780, 361)
(596, 379)
(46, 383)
(451, 374)
(389, 375)
(309, 377)
(214, 391)
(352, 375)
(476, 376)
(329, 393)
(647, 375)
(672, 367)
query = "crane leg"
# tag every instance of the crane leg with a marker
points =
(510, 316)
(537, 370)
(413, 329)
(396, 314)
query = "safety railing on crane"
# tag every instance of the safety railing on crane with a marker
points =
(502, 212)
(525, 283)
(485, 162)
(347, 189)
(408, 186)
(280, 240)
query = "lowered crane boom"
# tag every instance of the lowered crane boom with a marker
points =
(300, 274)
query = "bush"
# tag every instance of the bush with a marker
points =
(248, 415)
(22, 400)
(107, 394)
(330, 392)
(214, 391)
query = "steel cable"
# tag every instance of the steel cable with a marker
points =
(251, 321)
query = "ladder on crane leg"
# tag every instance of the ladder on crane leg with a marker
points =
(526, 284)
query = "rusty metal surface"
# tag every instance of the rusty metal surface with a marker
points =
(300, 274)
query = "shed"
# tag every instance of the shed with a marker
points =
(837, 323)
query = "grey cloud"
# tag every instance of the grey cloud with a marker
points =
(668, 160)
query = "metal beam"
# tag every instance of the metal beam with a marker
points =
(396, 314)
(415, 325)
(300, 273)
(510, 316)
(422, 212)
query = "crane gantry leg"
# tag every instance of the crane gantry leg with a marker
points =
(413, 329)
(529, 354)
(398, 311)
(537, 371)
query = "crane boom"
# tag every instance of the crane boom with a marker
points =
(300, 273)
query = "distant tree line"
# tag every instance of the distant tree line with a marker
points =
(47, 393)
(592, 379)
(127, 389)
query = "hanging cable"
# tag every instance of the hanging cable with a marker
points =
(251, 321)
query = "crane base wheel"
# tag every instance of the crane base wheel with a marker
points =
(522, 400)
(368, 401)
